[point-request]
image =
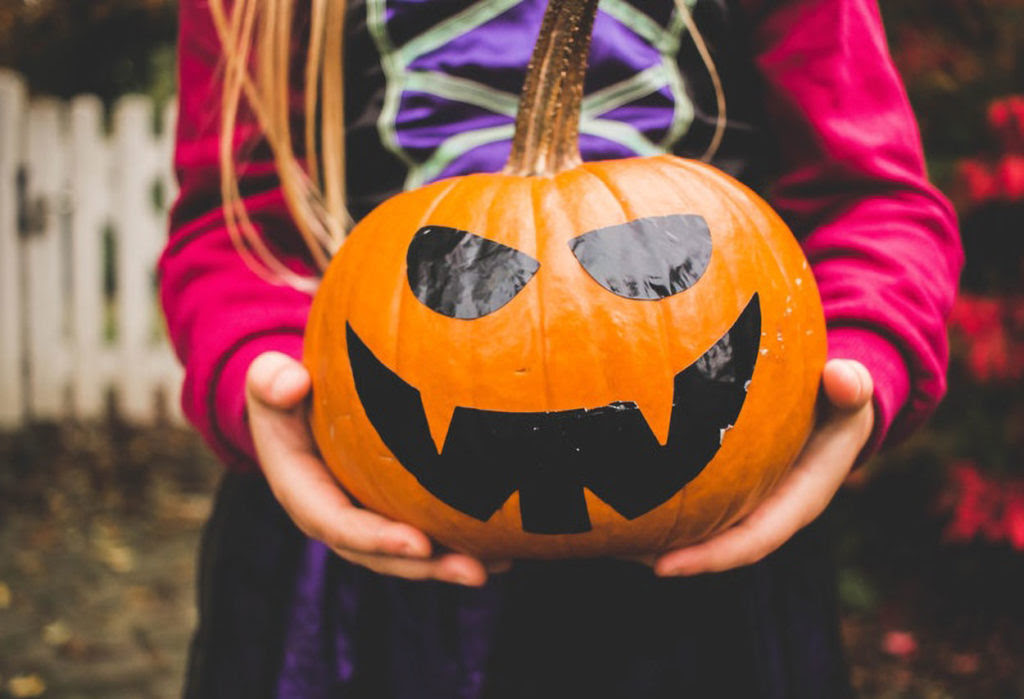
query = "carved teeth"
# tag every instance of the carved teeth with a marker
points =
(656, 409)
(721, 433)
(439, 413)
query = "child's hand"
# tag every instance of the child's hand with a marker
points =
(276, 389)
(843, 428)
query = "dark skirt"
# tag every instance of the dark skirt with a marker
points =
(279, 616)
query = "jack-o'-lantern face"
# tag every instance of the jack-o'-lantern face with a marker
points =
(541, 366)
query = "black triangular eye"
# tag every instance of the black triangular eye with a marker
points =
(649, 258)
(462, 275)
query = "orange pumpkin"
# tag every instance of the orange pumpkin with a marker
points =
(566, 358)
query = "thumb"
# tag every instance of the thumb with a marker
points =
(277, 380)
(847, 384)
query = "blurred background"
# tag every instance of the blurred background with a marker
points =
(103, 490)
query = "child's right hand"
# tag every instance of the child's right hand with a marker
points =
(276, 391)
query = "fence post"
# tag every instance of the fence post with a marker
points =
(12, 110)
(89, 171)
(134, 167)
(46, 261)
(62, 182)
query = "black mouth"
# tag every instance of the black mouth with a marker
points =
(551, 457)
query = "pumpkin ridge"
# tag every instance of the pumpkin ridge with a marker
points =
(685, 173)
(661, 309)
(398, 304)
(539, 315)
(497, 190)
(605, 366)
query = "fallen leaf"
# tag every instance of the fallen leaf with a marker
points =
(22, 686)
(138, 596)
(109, 549)
(79, 649)
(29, 563)
(5, 595)
(118, 557)
(56, 634)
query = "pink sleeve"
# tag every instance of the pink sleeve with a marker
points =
(219, 313)
(882, 241)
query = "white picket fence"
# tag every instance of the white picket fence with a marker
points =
(81, 207)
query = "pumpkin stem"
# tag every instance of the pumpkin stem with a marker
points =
(546, 139)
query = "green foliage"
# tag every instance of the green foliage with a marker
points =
(856, 591)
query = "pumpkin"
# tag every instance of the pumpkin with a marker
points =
(566, 358)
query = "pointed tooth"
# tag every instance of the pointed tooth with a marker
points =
(439, 413)
(656, 407)
(721, 433)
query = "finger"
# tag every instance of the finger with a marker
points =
(277, 380)
(847, 384)
(322, 511)
(312, 498)
(450, 567)
(799, 499)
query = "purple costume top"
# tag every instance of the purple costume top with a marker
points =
(818, 121)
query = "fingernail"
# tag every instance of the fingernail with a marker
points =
(407, 548)
(846, 368)
(397, 544)
(669, 571)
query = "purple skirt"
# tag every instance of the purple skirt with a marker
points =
(280, 616)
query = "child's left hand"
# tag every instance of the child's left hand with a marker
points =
(842, 431)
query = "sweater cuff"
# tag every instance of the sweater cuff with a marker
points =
(230, 423)
(888, 370)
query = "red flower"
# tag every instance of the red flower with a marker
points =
(983, 507)
(989, 358)
(1009, 177)
(1006, 119)
(976, 315)
(1013, 519)
(970, 499)
(974, 183)
(993, 331)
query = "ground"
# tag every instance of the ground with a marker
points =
(97, 560)
(99, 528)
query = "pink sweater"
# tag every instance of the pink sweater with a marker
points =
(850, 181)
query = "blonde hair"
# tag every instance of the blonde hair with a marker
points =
(257, 39)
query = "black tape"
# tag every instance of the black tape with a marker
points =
(462, 275)
(550, 457)
(649, 258)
